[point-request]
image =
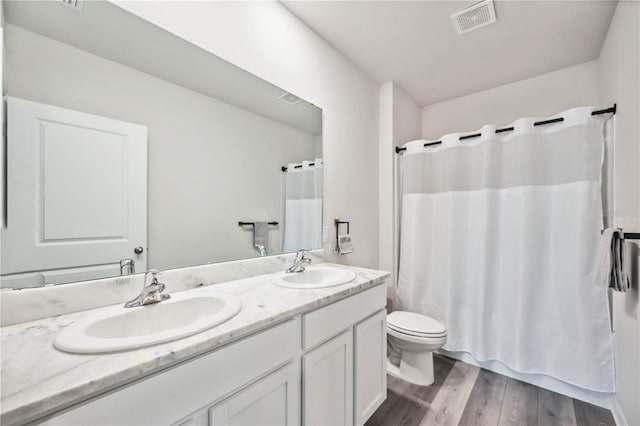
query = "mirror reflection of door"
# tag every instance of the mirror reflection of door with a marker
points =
(76, 195)
(217, 139)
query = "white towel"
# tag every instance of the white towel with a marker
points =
(261, 236)
(611, 272)
(345, 246)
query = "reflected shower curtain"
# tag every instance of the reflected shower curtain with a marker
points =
(303, 206)
(499, 239)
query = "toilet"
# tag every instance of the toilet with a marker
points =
(416, 336)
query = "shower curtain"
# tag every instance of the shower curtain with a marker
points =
(303, 206)
(499, 239)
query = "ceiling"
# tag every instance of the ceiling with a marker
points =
(415, 44)
(106, 30)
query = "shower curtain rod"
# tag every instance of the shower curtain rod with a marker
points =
(611, 110)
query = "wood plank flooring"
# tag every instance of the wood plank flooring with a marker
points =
(468, 396)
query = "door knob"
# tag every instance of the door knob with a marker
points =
(138, 250)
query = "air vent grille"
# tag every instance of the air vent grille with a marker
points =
(290, 98)
(474, 17)
(73, 4)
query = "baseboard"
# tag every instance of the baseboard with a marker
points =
(618, 414)
(601, 399)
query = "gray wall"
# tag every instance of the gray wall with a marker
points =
(210, 164)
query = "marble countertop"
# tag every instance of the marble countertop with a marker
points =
(37, 379)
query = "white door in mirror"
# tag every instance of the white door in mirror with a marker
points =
(117, 328)
(93, 208)
(314, 277)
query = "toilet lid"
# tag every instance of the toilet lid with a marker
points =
(415, 333)
(415, 324)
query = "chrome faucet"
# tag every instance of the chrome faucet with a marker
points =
(299, 262)
(261, 249)
(151, 291)
(127, 266)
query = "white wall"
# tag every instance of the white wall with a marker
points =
(539, 96)
(406, 117)
(386, 238)
(2, 116)
(619, 78)
(318, 146)
(210, 164)
(399, 122)
(268, 41)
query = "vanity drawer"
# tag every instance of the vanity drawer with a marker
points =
(330, 320)
(164, 397)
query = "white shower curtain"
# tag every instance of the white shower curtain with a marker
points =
(499, 239)
(303, 206)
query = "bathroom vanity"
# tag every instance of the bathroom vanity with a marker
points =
(290, 356)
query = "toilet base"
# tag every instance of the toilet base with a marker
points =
(392, 369)
(415, 367)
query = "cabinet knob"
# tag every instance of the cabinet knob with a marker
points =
(138, 250)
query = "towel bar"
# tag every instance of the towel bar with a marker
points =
(627, 235)
(254, 224)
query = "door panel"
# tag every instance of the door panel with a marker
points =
(370, 366)
(76, 189)
(273, 400)
(84, 192)
(327, 383)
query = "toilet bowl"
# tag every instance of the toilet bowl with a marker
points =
(416, 336)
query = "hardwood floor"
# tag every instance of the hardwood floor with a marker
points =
(469, 396)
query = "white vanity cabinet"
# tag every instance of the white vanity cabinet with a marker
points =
(344, 378)
(325, 367)
(232, 378)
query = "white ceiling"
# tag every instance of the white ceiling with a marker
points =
(107, 30)
(415, 44)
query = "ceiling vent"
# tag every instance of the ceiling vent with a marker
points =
(289, 98)
(73, 4)
(474, 17)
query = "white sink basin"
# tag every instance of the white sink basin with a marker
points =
(118, 328)
(314, 277)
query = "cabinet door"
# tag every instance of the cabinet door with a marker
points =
(76, 189)
(274, 400)
(327, 383)
(370, 366)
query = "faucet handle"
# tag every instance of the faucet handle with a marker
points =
(152, 290)
(302, 253)
(127, 264)
(299, 261)
(151, 275)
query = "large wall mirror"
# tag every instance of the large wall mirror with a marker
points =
(129, 148)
